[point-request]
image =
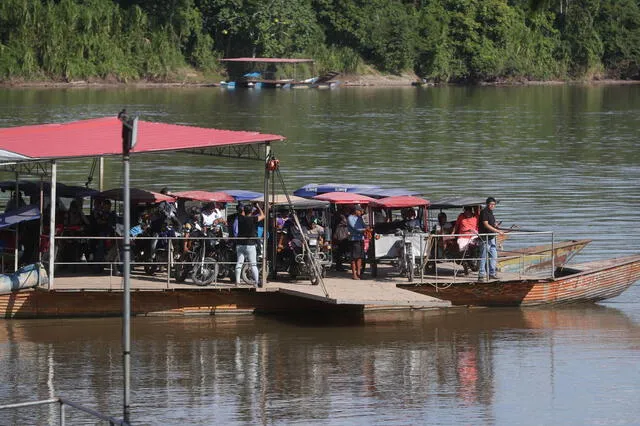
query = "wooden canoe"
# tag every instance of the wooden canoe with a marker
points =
(538, 258)
(585, 283)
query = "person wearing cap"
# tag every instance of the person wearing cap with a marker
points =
(356, 227)
(488, 247)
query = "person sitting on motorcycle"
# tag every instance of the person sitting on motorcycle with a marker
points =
(212, 215)
(466, 224)
(291, 236)
(315, 230)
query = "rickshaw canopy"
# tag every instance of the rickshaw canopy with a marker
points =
(400, 202)
(344, 198)
(453, 202)
(218, 196)
(137, 195)
(29, 187)
(23, 214)
(313, 189)
(242, 194)
(281, 200)
(388, 192)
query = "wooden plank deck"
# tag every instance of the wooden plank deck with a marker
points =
(338, 288)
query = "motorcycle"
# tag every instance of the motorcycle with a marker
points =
(159, 249)
(195, 260)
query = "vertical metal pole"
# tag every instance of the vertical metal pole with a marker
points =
(52, 222)
(16, 250)
(126, 296)
(101, 175)
(267, 217)
(62, 422)
(41, 228)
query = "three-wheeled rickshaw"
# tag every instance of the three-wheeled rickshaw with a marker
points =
(399, 233)
(301, 243)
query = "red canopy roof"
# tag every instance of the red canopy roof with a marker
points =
(103, 136)
(268, 60)
(344, 198)
(219, 196)
(400, 201)
(138, 196)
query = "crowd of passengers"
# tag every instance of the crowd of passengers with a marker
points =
(103, 221)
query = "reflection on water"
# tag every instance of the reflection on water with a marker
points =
(458, 366)
(560, 158)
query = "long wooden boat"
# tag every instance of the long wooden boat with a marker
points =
(585, 283)
(539, 258)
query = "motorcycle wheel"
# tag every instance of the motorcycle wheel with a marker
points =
(205, 272)
(151, 269)
(245, 273)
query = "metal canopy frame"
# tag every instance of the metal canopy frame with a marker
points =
(42, 168)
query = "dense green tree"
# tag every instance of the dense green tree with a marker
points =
(444, 40)
(618, 24)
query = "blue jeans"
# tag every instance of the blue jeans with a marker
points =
(488, 250)
(248, 252)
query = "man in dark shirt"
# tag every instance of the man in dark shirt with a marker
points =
(488, 247)
(246, 246)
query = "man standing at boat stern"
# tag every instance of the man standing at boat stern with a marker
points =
(246, 246)
(489, 251)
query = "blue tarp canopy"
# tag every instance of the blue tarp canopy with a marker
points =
(387, 192)
(23, 214)
(243, 195)
(313, 189)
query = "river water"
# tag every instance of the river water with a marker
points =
(560, 158)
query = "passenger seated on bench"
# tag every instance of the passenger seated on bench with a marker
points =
(467, 223)
(409, 220)
(443, 227)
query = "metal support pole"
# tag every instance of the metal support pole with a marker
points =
(129, 137)
(62, 416)
(267, 217)
(52, 223)
(16, 250)
(126, 296)
(101, 174)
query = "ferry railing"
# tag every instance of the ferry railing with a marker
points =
(112, 256)
(526, 260)
(63, 403)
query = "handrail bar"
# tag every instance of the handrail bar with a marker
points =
(63, 401)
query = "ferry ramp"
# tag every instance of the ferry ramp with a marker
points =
(345, 291)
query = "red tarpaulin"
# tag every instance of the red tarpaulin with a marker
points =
(400, 201)
(344, 198)
(103, 136)
(219, 196)
(268, 60)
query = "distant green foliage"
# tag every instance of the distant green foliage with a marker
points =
(441, 40)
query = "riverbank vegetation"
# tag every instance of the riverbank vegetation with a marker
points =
(439, 40)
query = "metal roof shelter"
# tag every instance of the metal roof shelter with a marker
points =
(36, 149)
(103, 137)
